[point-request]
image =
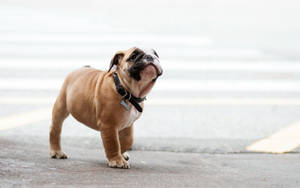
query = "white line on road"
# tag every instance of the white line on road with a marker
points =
(37, 64)
(27, 100)
(173, 101)
(74, 38)
(223, 101)
(80, 50)
(21, 119)
(285, 140)
(232, 66)
(169, 85)
(168, 65)
(228, 85)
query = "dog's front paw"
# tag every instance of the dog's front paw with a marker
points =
(118, 162)
(58, 155)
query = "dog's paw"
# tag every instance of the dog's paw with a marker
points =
(58, 155)
(118, 162)
(126, 156)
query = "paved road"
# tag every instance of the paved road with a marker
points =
(224, 88)
(31, 166)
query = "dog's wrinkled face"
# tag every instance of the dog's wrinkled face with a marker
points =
(144, 63)
(138, 67)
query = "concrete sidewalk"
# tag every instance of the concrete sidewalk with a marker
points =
(28, 164)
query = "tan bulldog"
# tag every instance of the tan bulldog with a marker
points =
(107, 101)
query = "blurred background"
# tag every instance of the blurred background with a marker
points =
(231, 68)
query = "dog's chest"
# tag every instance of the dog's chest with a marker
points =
(132, 116)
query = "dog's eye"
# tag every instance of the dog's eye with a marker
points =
(132, 57)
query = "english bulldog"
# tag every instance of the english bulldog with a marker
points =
(107, 101)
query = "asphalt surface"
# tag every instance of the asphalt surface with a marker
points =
(25, 162)
(231, 78)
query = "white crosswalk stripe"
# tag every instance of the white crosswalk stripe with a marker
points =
(69, 38)
(169, 65)
(167, 85)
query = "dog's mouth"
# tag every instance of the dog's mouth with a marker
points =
(149, 71)
(153, 70)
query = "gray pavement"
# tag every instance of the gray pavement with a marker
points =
(25, 162)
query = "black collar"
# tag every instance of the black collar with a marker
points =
(127, 95)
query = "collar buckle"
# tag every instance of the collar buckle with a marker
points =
(125, 94)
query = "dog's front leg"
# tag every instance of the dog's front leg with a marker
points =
(110, 139)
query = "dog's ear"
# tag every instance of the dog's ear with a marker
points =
(116, 59)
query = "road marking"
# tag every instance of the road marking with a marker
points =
(173, 101)
(223, 101)
(285, 140)
(233, 66)
(228, 85)
(17, 50)
(37, 64)
(27, 100)
(169, 85)
(75, 38)
(21, 119)
(168, 65)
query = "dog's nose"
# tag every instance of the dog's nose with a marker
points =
(149, 58)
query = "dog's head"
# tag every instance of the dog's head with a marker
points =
(138, 68)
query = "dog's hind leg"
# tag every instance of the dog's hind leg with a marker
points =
(59, 114)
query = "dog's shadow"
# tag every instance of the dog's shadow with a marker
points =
(101, 165)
